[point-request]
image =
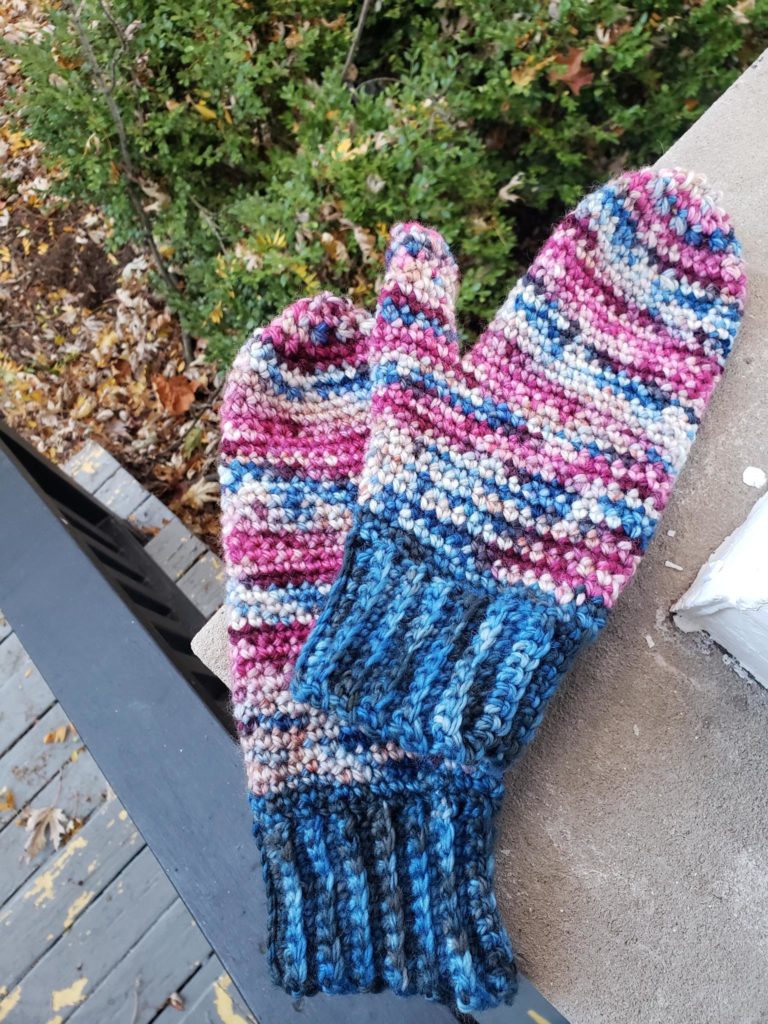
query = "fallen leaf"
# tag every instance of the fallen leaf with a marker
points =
(58, 735)
(606, 35)
(507, 193)
(366, 241)
(176, 1001)
(192, 439)
(523, 76)
(204, 111)
(43, 824)
(200, 492)
(7, 799)
(175, 393)
(574, 76)
(741, 10)
(334, 247)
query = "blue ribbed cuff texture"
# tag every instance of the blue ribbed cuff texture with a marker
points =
(441, 665)
(368, 891)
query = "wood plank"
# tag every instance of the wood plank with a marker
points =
(151, 515)
(160, 963)
(79, 789)
(210, 998)
(175, 549)
(96, 943)
(12, 656)
(5, 627)
(56, 895)
(204, 584)
(192, 991)
(31, 763)
(91, 466)
(24, 694)
(121, 492)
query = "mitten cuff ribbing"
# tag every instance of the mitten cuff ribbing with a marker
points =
(372, 890)
(410, 652)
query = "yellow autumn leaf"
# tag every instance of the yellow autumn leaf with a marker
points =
(57, 735)
(343, 148)
(204, 111)
(7, 799)
(523, 76)
(216, 314)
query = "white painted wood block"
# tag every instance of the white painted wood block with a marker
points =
(729, 597)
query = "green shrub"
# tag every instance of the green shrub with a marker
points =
(265, 176)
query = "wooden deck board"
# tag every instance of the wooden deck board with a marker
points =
(171, 949)
(98, 941)
(175, 549)
(91, 466)
(209, 998)
(79, 789)
(204, 583)
(151, 515)
(31, 763)
(58, 893)
(24, 694)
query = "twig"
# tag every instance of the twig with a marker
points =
(126, 164)
(356, 38)
(114, 23)
(207, 217)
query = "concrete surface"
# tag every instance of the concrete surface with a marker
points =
(632, 854)
(211, 645)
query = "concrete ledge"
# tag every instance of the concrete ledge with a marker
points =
(632, 855)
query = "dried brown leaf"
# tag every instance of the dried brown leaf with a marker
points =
(46, 823)
(59, 735)
(176, 393)
(573, 75)
(200, 492)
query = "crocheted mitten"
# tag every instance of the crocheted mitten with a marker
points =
(507, 498)
(376, 863)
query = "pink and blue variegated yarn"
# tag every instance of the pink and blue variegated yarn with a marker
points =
(359, 840)
(508, 497)
(394, 647)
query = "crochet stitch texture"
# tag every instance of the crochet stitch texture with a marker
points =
(507, 498)
(378, 866)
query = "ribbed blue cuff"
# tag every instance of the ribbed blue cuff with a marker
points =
(368, 891)
(409, 653)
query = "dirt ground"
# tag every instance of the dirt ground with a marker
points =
(87, 350)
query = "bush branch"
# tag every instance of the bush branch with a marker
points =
(356, 38)
(126, 163)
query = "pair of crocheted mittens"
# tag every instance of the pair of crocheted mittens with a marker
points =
(417, 545)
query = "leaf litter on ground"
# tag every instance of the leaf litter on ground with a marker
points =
(89, 351)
